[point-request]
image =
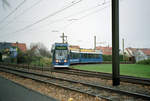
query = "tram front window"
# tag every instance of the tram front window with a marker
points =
(61, 54)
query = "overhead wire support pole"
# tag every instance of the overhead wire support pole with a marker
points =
(63, 38)
(115, 43)
(95, 42)
(123, 48)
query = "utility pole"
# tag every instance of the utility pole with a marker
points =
(63, 38)
(115, 43)
(0, 57)
(95, 42)
(17, 51)
(123, 47)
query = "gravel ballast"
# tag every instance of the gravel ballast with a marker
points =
(50, 90)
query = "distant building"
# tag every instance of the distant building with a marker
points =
(8, 45)
(9, 51)
(146, 51)
(21, 46)
(78, 49)
(138, 53)
(105, 50)
(74, 47)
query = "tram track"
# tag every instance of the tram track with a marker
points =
(79, 86)
(123, 78)
(71, 71)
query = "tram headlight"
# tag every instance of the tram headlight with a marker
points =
(57, 61)
(65, 60)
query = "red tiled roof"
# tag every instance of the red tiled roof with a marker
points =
(146, 51)
(74, 46)
(128, 52)
(105, 50)
(133, 49)
(21, 46)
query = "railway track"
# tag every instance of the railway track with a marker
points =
(103, 92)
(123, 78)
(130, 79)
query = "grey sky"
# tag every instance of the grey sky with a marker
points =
(85, 20)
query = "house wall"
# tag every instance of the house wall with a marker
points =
(148, 57)
(129, 53)
(139, 56)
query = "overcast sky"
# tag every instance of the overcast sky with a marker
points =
(80, 22)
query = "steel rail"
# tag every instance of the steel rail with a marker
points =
(20, 73)
(129, 79)
(84, 83)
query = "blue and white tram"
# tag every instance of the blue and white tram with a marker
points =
(60, 55)
(74, 57)
(85, 57)
(91, 57)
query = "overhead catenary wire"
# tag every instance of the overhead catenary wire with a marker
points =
(22, 13)
(12, 11)
(85, 16)
(76, 14)
(45, 18)
(89, 14)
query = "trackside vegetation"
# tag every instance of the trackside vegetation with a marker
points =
(137, 70)
(145, 62)
(109, 58)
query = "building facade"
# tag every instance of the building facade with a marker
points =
(138, 53)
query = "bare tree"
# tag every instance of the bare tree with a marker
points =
(39, 49)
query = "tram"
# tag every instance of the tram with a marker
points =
(63, 56)
(60, 55)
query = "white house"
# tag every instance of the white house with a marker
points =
(138, 53)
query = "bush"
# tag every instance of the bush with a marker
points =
(145, 62)
(109, 57)
(41, 61)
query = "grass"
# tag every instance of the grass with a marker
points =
(42, 62)
(137, 70)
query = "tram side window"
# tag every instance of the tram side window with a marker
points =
(74, 56)
(84, 56)
(97, 56)
(71, 55)
(93, 56)
(90, 56)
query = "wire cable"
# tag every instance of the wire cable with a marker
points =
(50, 15)
(23, 12)
(76, 14)
(12, 11)
(87, 15)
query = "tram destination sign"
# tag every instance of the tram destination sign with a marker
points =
(61, 48)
